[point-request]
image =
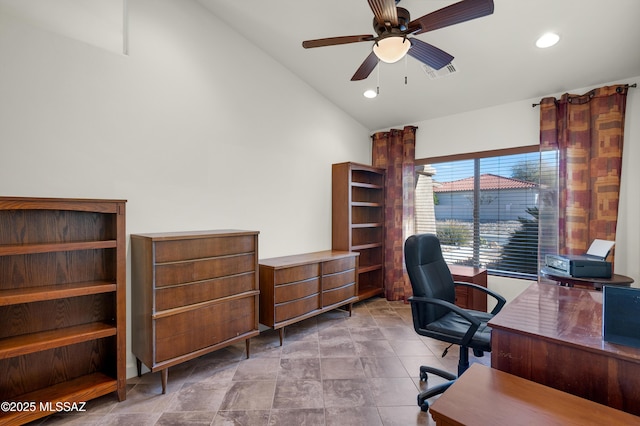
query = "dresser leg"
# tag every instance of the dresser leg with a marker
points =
(139, 367)
(281, 331)
(247, 344)
(164, 375)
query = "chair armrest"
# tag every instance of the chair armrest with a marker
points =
(499, 299)
(475, 323)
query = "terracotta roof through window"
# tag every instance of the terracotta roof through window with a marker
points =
(488, 181)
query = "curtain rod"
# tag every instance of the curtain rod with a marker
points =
(628, 85)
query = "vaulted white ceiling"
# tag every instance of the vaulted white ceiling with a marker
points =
(496, 59)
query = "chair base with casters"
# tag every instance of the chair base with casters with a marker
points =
(463, 364)
(435, 390)
(435, 314)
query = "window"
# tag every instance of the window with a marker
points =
(484, 207)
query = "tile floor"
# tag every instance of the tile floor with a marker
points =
(333, 369)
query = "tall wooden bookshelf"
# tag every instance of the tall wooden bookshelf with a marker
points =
(358, 221)
(62, 303)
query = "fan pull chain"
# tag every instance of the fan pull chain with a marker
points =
(378, 81)
(405, 69)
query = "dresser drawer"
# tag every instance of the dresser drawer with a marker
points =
(296, 308)
(188, 249)
(297, 290)
(202, 291)
(338, 280)
(341, 294)
(196, 329)
(199, 270)
(339, 265)
(462, 296)
(296, 273)
(466, 297)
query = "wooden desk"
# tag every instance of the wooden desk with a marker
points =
(486, 396)
(553, 335)
(588, 283)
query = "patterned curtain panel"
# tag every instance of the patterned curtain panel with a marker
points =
(394, 151)
(587, 132)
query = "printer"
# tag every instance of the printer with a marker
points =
(589, 265)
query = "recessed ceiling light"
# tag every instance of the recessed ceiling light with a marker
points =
(370, 93)
(547, 40)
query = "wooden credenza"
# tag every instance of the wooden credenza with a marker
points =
(293, 288)
(466, 297)
(192, 293)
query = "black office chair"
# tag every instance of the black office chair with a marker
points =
(434, 313)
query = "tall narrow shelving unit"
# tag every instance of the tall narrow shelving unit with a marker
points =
(62, 303)
(358, 221)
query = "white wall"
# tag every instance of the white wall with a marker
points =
(517, 124)
(195, 133)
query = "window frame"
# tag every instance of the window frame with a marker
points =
(478, 155)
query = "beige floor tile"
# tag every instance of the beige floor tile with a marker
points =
(333, 369)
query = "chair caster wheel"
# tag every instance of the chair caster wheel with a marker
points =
(423, 404)
(478, 353)
(423, 374)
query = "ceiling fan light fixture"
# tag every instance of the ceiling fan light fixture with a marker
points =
(391, 49)
(547, 40)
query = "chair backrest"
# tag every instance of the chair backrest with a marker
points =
(428, 273)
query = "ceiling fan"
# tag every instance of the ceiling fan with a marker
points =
(394, 26)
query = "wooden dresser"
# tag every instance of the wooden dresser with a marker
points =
(293, 288)
(192, 293)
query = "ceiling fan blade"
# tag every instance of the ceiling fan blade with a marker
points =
(332, 41)
(384, 11)
(428, 54)
(456, 13)
(365, 69)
